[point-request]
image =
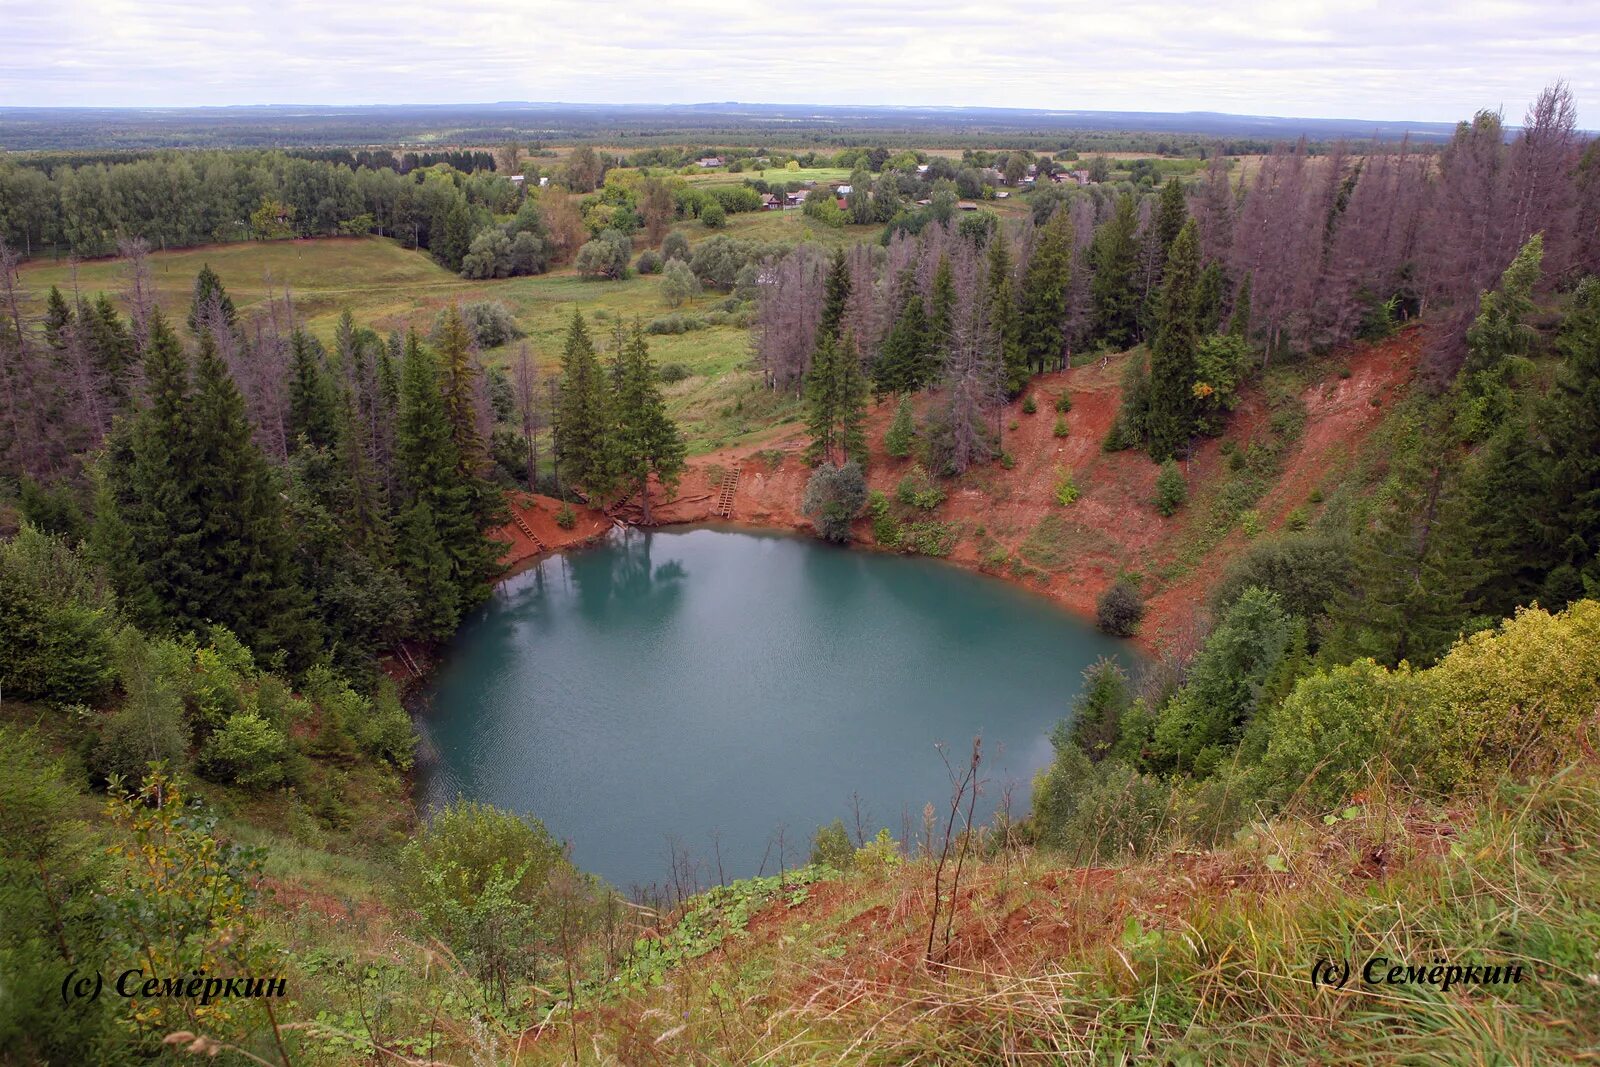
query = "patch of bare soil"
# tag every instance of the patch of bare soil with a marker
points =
(1011, 524)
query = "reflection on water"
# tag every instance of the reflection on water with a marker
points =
(721, 694)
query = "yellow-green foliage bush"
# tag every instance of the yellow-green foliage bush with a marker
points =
(880, 854)
(1513, 699)
(1516, 698)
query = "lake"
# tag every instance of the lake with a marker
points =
(697, 691)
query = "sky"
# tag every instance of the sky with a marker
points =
(1426, 60)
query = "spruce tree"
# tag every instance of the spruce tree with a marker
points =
(903, 358)
(1171, 213)
(152, 480)
(57, 318)
(1571, 421)
(1045, 290)
(1170, 422)
(1412, 568)
(313, 414)
(835, 298)
(208, 288)
(836, 393)
(435, 510)
(459, 380)
(647, 441)
(1114, 289)
(1239, 318)
(247, 578)
(902, 432)
(582, 416)
(1004, 318)
(1208, 298)
(111, 349)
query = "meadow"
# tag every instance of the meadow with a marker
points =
(389, 287)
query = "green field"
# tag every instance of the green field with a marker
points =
(723, 176)
(389, 287)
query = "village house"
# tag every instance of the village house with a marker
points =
(709, 161)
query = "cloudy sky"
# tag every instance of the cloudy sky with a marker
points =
(1420, 59)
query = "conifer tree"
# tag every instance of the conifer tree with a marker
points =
(111, 349)
(582, 416)
(247, 578)
(1208, 298)
(1239, 319)
(1571, 421)
(313, 415)
(57, 318)
(647, 441)
(835, 298)
(1004, 318)
(458, 380)
(1407, 597)
(1171, 213)
(903, 359)
(902, 432)
(1045, 291)
(208, 288)
(152, 479)
(836, 394)
(1114, 289)
(440, 547)
(1170, 422)
(460, 377)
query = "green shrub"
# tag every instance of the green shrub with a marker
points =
(831, 847)
(918, 489)
(56, 618)
(1305, 570)
(1060, 429)
(490, 884)
(1066, 488)
(387, 731)
(1250, 522)
(885, 526)
(672, 372)
(1507, 701)
(880, 854)
(1171, 492)
(1063, 402)
(930, 538)
(566, 518)
(1119, 609)
(1028, 405)
(247, 751)
(834, 497)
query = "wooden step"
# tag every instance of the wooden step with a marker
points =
(725, 496)
(522, 524)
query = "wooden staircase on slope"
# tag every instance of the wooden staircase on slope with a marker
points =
(730, 485)
(522, 524)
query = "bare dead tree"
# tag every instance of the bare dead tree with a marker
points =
(526, 385)
(963, 791)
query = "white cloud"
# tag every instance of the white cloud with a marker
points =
(1431, 60)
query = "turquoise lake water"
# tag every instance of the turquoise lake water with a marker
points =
(705, 688)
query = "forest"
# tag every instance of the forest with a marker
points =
(228, 535)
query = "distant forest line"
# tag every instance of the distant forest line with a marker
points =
(38, 129)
